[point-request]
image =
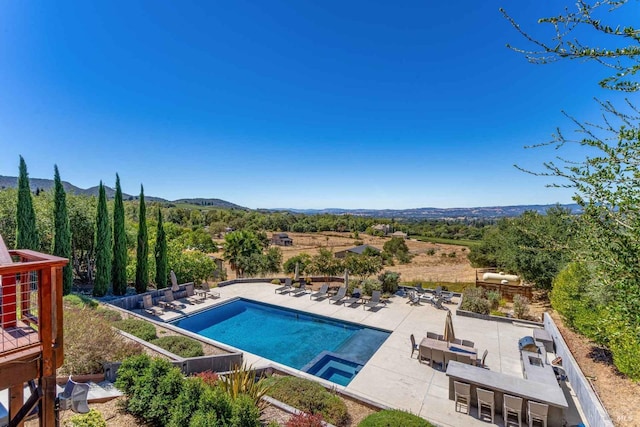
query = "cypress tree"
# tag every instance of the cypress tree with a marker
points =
(26, 231)
(62, 231)
(142, 261)
(119, 244)
(103, 247)
(162, 265)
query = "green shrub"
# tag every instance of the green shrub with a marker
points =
(138, 328)
(475, 302)
(151, 390)
(370, 285)
(310, 397)
(245, 412)
(498, 313)
(494, 299)
(92, 418)
(90, 341)
(625, 348)
(431, 251)
(275, 282)
(179, 345)
(187, 402)
(520, 306)
(79, 301)
(389, 280)
(394, 417)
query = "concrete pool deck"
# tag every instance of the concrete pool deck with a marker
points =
(392, 377)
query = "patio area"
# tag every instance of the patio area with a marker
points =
(392, 377)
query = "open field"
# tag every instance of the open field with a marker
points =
(456, 242)
(435, 262)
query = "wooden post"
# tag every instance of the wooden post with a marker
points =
(16, 400)
(46, 317)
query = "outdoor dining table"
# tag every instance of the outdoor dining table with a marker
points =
(447, 346)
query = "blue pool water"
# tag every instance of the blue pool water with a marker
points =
(293, 338)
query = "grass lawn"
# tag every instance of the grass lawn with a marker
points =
(467, 243)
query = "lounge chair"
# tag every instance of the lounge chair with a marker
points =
(169, 301)
(299, 291)
(374, 302)
(207, 292)
(437, 303)
(147, 305)
(354, 298)
(414, 298)
(286, 288)
(446, 297)
(339, 296)
(192, 297)
(322, 293)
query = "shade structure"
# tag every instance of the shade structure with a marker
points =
(449, 335)
(174, 282)
(346, 278)
(296, 275)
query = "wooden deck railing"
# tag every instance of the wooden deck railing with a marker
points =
(31, 334)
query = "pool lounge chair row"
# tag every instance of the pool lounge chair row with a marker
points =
(339, 298)
(168, 301)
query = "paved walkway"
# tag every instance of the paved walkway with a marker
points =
(392, 377)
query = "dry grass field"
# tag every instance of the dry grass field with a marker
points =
(441, 266)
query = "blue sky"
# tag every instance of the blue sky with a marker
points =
(359, 104)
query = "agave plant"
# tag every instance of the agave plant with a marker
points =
(244, 380)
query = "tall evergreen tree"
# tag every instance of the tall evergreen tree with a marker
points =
(119, 244)
(162, 264)
(62, 231)
(26, 231)
(142, 260)
(103, 246)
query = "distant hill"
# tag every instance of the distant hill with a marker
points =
(47, 184)
(435, 213)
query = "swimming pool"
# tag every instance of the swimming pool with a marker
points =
(291, 337)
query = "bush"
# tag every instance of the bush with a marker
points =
(389, 280)
(520, 306)
(305, 420)
(310, 397)
(210, 378)
(394, 417)
(494, 299)
(245, 412)
(92, 418)
(138, 328)
(475, 302)
(370, 285)
(89, 342)
(431, 251)
(151, 386)
(244, 381)
(275, 282)
(179, 345)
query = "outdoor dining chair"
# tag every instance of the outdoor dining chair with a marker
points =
(462, 395)
(486, 400)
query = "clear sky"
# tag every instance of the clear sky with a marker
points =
(351, 104)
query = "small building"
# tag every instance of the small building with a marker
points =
(400, 234)
(281, 239)
(357, 250)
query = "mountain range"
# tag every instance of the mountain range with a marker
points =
(47, 184)
(415, 213)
